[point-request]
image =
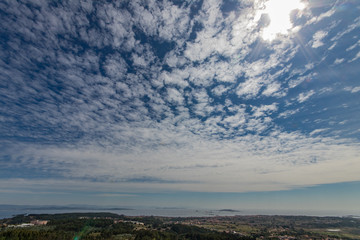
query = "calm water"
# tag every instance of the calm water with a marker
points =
(166, 212)
(7, 211)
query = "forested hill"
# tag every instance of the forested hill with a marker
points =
(112, 226)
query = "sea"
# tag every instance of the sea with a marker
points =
(8, 211)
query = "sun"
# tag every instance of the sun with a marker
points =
(278, 12)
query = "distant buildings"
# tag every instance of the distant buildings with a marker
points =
(39, 222)
(32, 223)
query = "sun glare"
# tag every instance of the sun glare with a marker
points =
(279, 15)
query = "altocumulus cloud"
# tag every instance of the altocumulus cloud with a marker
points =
(139, 96)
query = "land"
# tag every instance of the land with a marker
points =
(113, 226)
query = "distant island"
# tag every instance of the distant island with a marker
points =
(103, 225)
(228, 210)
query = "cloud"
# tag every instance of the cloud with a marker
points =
(264, 109)
(271, 89)
(116, 195)
(288, 113)
(175, 96)
(176, 77)
(111, 96)
(317, 39)
(317, 131)
(357, 56)
(115, 67)
(338, 61)
(352, 89)
(305, 96)
(235, 120)
(352, 47)
(322, 16)
(295, 81)
(219, 90)
(280, 152)
(250, 88)
(350, 28)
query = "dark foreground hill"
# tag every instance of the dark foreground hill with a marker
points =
(112, 226)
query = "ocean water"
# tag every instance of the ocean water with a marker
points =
(7, 211)
(10, 211)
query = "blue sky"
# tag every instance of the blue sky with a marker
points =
(188, 98)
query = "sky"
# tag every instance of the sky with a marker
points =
(194, 103)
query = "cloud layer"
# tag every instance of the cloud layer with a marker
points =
(140, 95)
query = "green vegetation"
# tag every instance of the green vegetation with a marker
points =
(96, 226)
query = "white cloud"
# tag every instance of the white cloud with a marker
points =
(146, 18)
(219, 90)
(175, 96)
(285, 156)
(177, 77)
(271, 89)
(296, 81)
(322, 16)
(317, 131)
(332, 46)
(349, 29)
(173, 60)
(339, 60)
(202, 75)
(288, 113)
(357, 56)
(352, 89)
(352, 47)
(305, 96)
(317, 39)
(118, 22)
(250, 88)
(264, 110)
(116, 67)
(171, 16)
(235, 120)
(325, 90)
(343, 122)
(139, 61)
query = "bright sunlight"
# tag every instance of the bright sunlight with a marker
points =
(279, 15)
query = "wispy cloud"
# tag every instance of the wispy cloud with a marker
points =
(305, 96)
(352, 89)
